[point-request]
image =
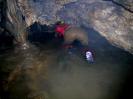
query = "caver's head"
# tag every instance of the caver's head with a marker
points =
(60, 22)
(61, 27)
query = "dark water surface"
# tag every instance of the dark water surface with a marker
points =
(48, 71)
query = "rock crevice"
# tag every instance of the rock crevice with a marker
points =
(126, 6)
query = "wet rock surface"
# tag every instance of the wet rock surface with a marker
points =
(128, 4)
(49, 71)
(110, 19)
(113, 19)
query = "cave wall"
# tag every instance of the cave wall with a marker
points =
(113, 19)
(128, 4)
(13, 21)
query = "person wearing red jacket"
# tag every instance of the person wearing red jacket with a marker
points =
(60, 29)
(70, 34)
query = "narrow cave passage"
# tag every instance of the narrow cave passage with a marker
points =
(48, 71)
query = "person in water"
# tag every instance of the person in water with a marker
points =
(70, 34)
(60, 30)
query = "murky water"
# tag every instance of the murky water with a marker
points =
(48, 71)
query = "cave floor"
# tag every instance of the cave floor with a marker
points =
(48, 71)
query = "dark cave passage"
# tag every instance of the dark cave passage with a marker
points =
(41, 33)
(48, 71)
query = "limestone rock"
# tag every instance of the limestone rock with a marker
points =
(113, 19)
(127, 3)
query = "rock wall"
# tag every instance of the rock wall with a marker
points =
(13, 21)
(113, 19)
(128, 4)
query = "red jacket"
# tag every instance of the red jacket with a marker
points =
(60, 29)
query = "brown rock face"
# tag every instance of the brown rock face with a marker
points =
(13, 21)
(117, 27)
(76, 33)
(126, 3)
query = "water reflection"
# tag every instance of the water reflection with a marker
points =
(47, 71)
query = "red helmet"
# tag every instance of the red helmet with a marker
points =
(60, 29)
